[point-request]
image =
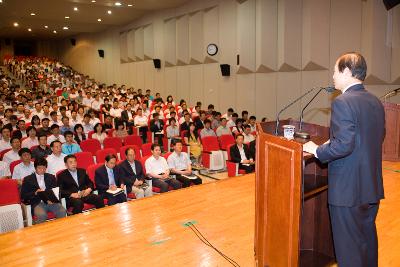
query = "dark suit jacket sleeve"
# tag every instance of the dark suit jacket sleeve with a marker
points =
(101, 179)
(124, 115)
(139, 171)
(28, 189)
(343, 132)
(235, 154)
(87, 182)
(62, 183)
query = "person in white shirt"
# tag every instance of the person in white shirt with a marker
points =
(5, 141)
(24, 168)
(87, 126)
(32, 139)
(99, 133)
(116, 111)
(74, 119)
(56, 135)
(252, 123)
(228, 115)
(4, 170)
(248, 136)
(87, 101)
(207, 131)
(232, 121)
(12, 155)
(141, 121)
(93, 119)
(56, 159)
(38, 110)
(96, 103)
(157, 168)
(223, 129)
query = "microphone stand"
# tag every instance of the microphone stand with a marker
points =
(301, 134)
(289, 105)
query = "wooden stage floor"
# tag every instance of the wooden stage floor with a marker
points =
(149, 232)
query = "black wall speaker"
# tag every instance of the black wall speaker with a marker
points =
(73, 42)
(7, 41)
(101, 53)
(225, 69)
(389, 4)
(157, 63)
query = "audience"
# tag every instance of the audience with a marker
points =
(25, 167)
(56, 159)
(12, 155)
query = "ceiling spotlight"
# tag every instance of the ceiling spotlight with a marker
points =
(93, 1)
(54, 31)
(65, 28)
(75, 9)
(130, 5)
(33, 14)
(67, 17)
(16, 24)
(109, 12)
(1, 1)
(46, 27)
(118, 4)
(29, 30)
(98, 20)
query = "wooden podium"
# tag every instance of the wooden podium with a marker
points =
(292, 225)
(391, 144)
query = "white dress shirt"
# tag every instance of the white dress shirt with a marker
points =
(55, 164)
(21, 170)
(156, 166)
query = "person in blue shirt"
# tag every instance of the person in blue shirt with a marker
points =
(70, 147)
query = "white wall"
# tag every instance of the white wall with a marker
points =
(285, 48)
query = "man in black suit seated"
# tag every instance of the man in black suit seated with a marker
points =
(185, 124)
(240, 153)
(354, 156)
(35, 183)
(76, 187)
(156, 127)
(132, 172)
(106, 177)
(200, 121)
(127, 116)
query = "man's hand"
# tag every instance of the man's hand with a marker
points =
(87, 192)
(112, 187)
(310, 147)
(138, 182)
(165, 176)
(122, 186)
(39, 190)
(75, 195)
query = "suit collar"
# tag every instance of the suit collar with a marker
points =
(358, 86)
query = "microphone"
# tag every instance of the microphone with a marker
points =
(395, 91)
(305, 135)
(295, 101)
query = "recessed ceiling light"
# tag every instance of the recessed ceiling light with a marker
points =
(1, 1)
(33, 14)
(45, 26)
(65, 28)
(54, 31)
(16, 24)
(75, 9)
(130, 5)
(98, 20)
(67, 17)
(118, 4)
(29, 29)
(93, 1)
(109, 12)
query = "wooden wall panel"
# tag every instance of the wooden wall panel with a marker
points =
(170, 42)
(123, 47)
(288, 88)
(245, 93)
(374, 42)
(196, 92)
(265, 96)
(210, 34)
(139, 44)
(246, 36)
(183, 82)
(131, 45)
(289, 35)
(148, 37)
(315, 39)
(266, 35)
(211, 77)
(182, 40)
(196, 42)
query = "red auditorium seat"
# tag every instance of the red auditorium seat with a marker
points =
(84, 159)
(113, 142)
(90, 145)
(233, 168)
(122, 152)
(101, 154)
(133, 140)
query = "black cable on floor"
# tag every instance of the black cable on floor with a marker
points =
(207, 243)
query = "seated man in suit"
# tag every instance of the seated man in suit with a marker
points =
(157, 168)
(240, 153)
(40, 181)
(132, 172)
(76, 187)
(107, 178)
(156, 127)
(180, 164)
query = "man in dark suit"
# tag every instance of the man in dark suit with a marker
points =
(37, 182)
(199, 122)
(157, 127)
(132, 172)
(354, 153)
(76, 186)
(107, 178)
(241, 154)
(127, 116)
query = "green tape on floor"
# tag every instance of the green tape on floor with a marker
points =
(391, 170)
(159, 242)
(188, 223)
